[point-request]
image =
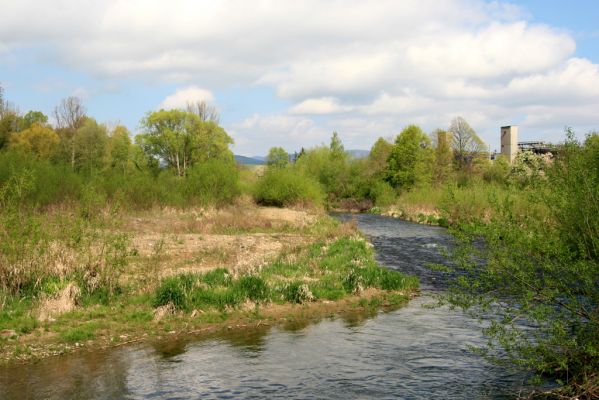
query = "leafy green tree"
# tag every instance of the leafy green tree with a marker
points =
(378, 157)
(119, 149)
(411, 159)
(277, 158)
(336, 147)
(180, 139)
(90, 143)
(32, 117)
(39, 140)
(465, 142)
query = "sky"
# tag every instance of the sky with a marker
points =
(289, 73)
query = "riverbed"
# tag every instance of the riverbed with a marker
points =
(414, 352)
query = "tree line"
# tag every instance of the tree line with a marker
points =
(173, 144)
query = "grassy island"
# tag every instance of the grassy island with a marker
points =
(122, 277)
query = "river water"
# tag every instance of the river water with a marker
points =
(410, 353)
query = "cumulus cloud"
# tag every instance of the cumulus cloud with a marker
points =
(184, 96)
(254, 135)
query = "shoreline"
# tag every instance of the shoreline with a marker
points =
(180, 325)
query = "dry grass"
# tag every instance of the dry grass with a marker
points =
(240, 238)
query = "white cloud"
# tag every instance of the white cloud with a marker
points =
(256, 134)
(495, 51)
(323, 105)
(406, 103)
(182, 97)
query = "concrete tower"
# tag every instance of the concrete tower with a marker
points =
(509, 141)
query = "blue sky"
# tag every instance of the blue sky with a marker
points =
(286, 73)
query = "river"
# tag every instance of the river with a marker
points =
(410, 353)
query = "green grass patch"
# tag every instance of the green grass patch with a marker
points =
(80, 333)
(319, 271)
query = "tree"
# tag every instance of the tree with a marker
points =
(39, 140)
(33, 117)
(378, 157)
(180, 139)
(9, 123)
(90, 142)
(119, 149)
(69, 115)
(410, 161)
(204, 111)
(465, 142)
(336, 147)
(443, 156)
(277, 158)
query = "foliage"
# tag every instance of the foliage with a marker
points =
(382, 194)
(287, 187)
(497, 171)
(378, 157)
(37, 139)
(540, 274)
(443, 156)
(212, 182)
(90, 143)
(528, 167)
(277, 158)
(32, 118)
(411, 159)
(181, 139)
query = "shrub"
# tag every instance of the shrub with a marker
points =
(297, 292)
(174, 290)
(253, 287)
(541, 267)
(212, 182)
(287, 187)
(382, 194)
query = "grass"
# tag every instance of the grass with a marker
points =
(80, 333)
(475, 200)
(121, 286)
(318, 271)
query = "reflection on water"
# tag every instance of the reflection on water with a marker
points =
(411, 353)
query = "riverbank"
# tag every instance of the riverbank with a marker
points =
(203, 270)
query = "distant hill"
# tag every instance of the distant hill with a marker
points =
(248, 160)
(359, 153)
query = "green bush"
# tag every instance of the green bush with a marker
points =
(287, 187)
(382, 194)
(296, 292)
(212, 182)
(174, 290)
